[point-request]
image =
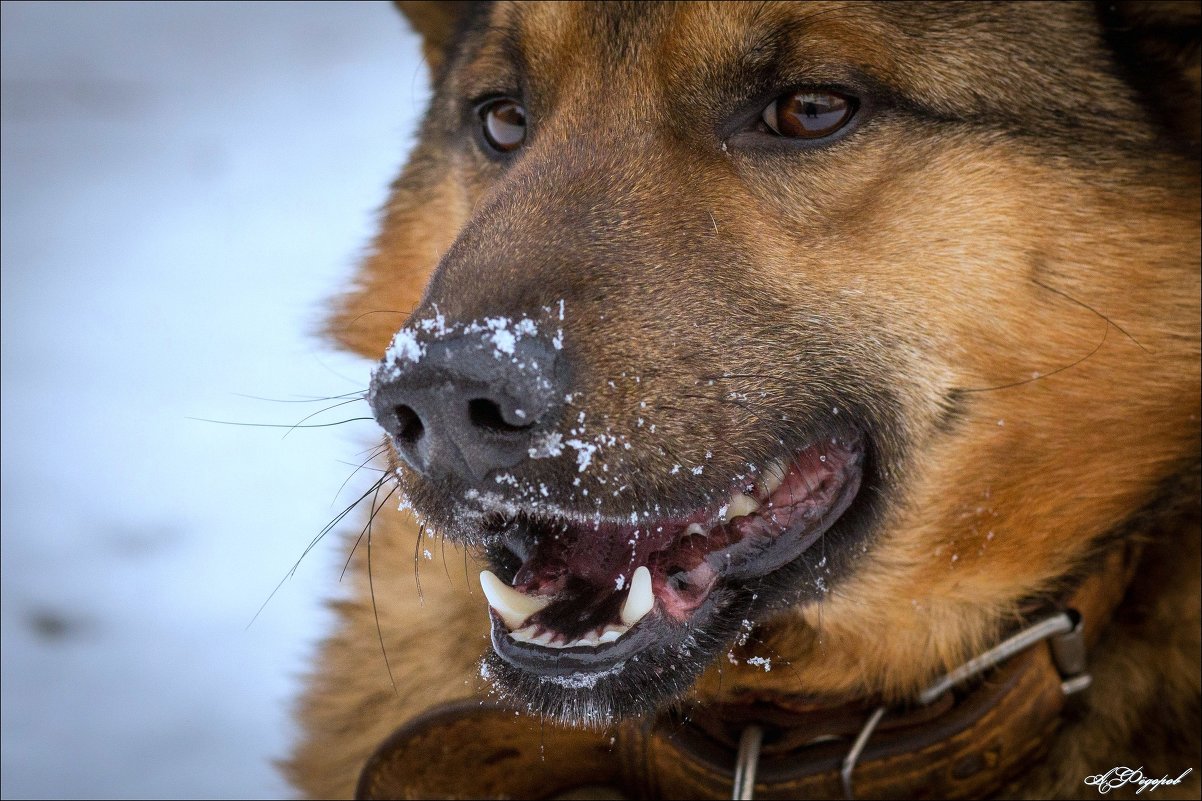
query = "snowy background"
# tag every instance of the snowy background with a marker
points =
(183, 186)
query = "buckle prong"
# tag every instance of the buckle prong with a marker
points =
(853, 754)
(746, 763)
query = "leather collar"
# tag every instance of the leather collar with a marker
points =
(966, 736)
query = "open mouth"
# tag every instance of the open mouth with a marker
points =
(574, 603)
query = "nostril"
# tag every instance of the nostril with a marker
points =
(486, 414)
(409, 425)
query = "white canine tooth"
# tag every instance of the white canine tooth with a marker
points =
(640, 599)
(514, 607)
(774, 475)
(739, 505)
(695, 528)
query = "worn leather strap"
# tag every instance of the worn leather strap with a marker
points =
(469, 749)
(473, 750)
(962, 753)
(965, 745)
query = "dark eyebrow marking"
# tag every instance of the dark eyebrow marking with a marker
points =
(765, 47)
(496, 57)
(510, 42)
(771, 43)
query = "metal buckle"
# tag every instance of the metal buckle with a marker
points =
(1068, 653)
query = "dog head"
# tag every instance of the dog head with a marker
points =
(859, 324)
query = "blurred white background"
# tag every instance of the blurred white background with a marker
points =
(184, 184)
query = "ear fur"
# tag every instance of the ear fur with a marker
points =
(437, 23)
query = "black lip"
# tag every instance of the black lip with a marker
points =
(566, 662)
(741, 565)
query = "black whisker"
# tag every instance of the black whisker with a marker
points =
(374, 449)
(315, 399)
(325, 530)
(1042, 376)
(417, 579)
(366, 530)
(362, 466)
(372, 589)
(277, 425)
(401, 314)
(1084, 305)
(442, 548)
(321, 411)
(346, 565)
(337, 519)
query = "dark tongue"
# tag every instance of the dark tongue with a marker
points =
(581, 608)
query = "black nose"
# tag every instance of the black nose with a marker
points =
(464, 407)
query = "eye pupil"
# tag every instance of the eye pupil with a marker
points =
(504, 124)
(808, 115)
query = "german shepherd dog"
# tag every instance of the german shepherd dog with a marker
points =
(763, 359)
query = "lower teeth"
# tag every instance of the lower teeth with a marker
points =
(529, 634)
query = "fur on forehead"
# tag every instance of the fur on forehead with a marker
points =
(981, 62)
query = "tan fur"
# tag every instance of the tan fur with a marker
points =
(947, 257)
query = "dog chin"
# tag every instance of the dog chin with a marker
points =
(597, 618)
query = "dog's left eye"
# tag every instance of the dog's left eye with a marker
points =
(503, 124)
(808, 115)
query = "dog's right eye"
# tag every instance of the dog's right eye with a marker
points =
(502, 124)
(808, 114)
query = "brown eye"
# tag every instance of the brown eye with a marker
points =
(808, 115)
(503, 124)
